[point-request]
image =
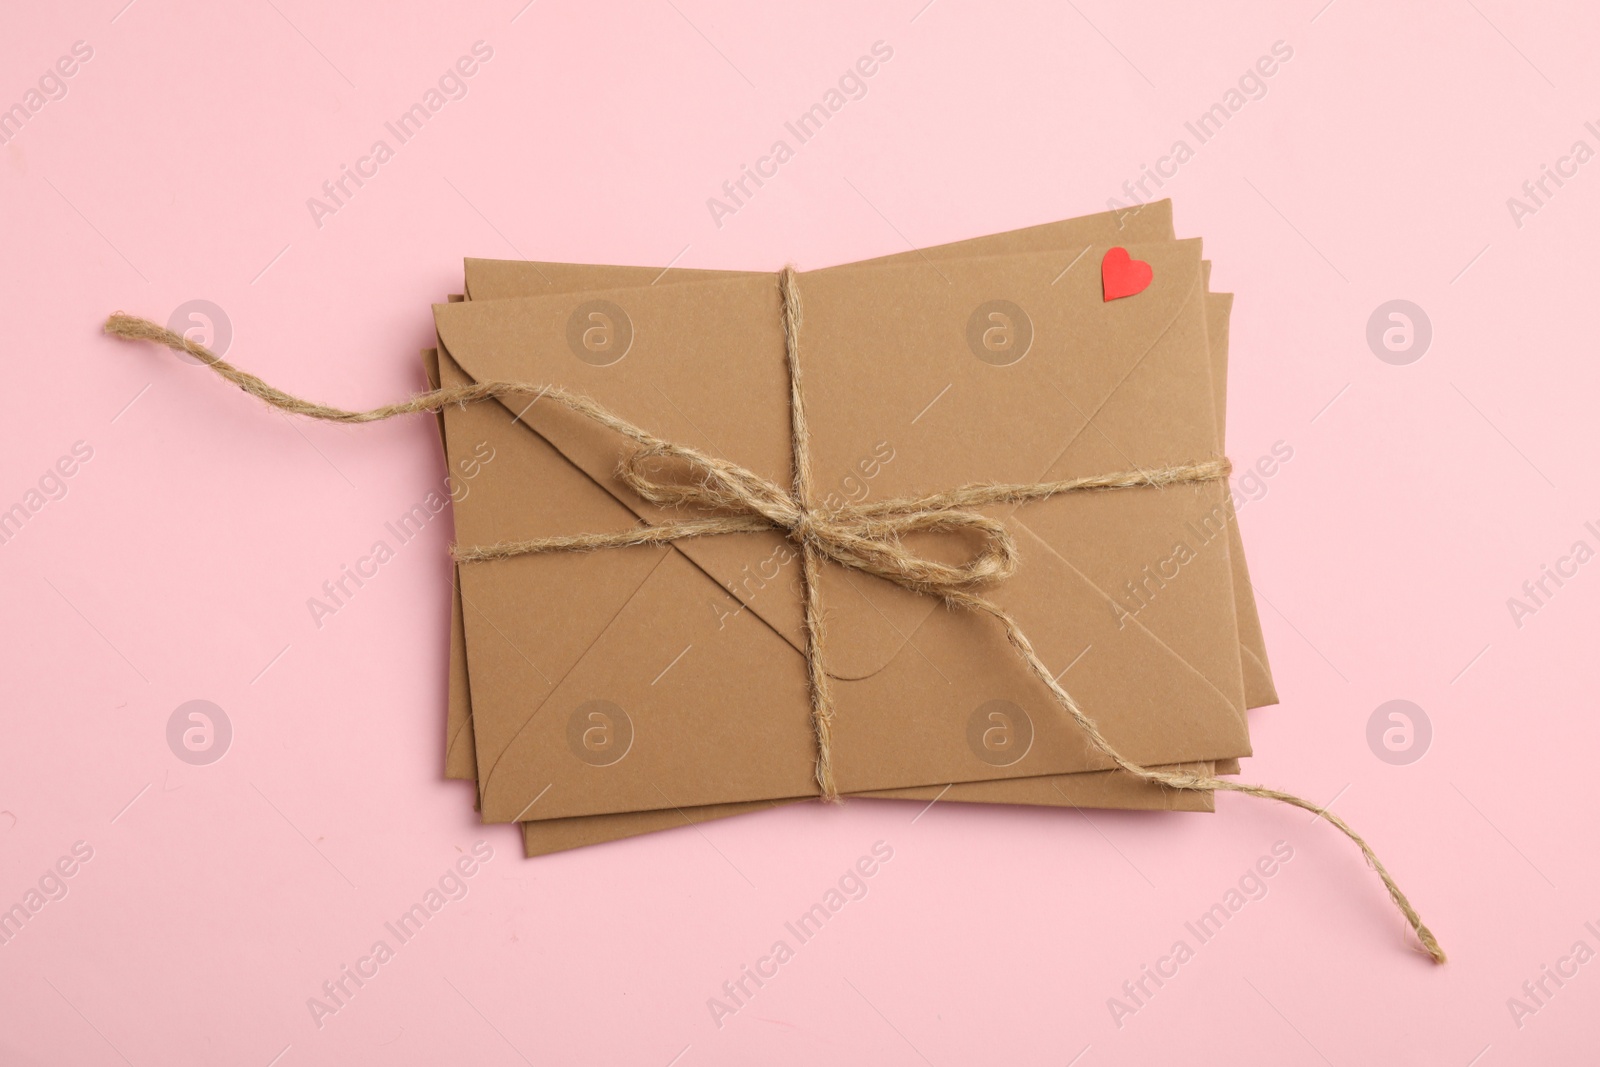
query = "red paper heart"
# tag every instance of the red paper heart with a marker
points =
(1121, 275)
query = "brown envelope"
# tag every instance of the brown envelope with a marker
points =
(1259, 690)
(878, 659)
(493, 279)
(496, 279)
(503, 278)
(461, 753)
(1089, 789)
(1104, 789)
(1092, 789)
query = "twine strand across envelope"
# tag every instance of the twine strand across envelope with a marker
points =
(866, 537)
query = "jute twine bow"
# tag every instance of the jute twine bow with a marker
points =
(863, 537)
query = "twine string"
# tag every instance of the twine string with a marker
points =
(865, 537)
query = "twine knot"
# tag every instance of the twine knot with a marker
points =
(804, 528)
(867, 538)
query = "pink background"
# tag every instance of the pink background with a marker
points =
(178, 565)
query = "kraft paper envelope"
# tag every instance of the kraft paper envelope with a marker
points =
(1104, 789)
(461, 754)
(1092, 789)
(493, 279)
(496, 279)
(1259, 689)
(1148, 367)
(504, 278)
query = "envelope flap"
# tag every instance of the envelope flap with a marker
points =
(697, 364)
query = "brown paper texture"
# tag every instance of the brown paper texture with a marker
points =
(1155, 351)
(1014, 790)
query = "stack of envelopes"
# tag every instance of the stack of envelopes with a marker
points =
(598, 695)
